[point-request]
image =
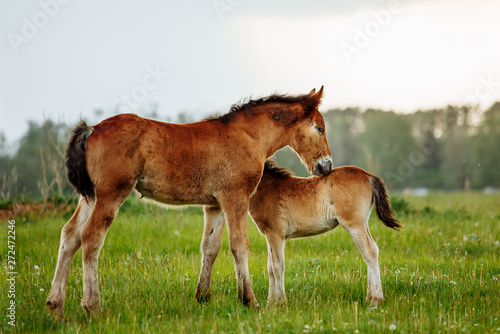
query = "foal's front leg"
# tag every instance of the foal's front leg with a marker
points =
(210, 246)
(236, 210)
(276, 268)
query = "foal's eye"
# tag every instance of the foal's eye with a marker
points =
(320, 129)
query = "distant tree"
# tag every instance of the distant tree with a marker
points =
(343, 128)
(484, 150)
(8, 173)
(40, 160)
(427, 131)
(387, 144)
(454, 152)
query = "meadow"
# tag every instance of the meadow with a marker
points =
(441, 274)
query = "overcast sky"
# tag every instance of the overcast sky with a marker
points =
(65, 59)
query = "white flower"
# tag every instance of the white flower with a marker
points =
(42, 290)
(306, 328)
(392, 327)
(37, 267)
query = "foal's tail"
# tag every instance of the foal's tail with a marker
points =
(384, 210)
(75, 161)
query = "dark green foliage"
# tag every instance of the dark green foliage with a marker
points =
(400, 205)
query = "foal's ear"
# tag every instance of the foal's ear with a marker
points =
(313, 100)
(312, 92)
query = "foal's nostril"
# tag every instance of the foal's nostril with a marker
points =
(323, 167)
(328, 166)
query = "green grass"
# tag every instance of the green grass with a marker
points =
(441, 273)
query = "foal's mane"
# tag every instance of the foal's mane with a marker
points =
(280, 172)
(247, 105)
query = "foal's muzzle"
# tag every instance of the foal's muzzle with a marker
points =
(323, 166)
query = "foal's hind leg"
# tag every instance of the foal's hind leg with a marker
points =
(210, 246)
(358, 229)
(70, 243)
(93, 234)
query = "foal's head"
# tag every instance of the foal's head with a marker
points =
(308, 136)
(302, 125)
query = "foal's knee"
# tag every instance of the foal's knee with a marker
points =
(240, 252)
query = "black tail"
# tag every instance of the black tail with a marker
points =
(75, 161)
(384, 210)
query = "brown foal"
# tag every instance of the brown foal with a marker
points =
(286, 207)
(216, 163)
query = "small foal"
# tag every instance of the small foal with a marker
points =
(287, 207)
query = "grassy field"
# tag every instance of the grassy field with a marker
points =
(440, 274)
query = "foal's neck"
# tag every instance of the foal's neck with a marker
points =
(267, 134)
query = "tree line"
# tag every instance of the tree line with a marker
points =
(452, 148)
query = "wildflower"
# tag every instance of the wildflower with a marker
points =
(42, 290)
(37, 267)
(306, 329)
(392, 327)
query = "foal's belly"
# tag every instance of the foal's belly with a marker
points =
(173, 194)
(309, 227)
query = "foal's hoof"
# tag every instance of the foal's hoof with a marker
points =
(276, 303)
(374, 302)
(202, 297)
(56, 310)
(202, 294)
(251, 303)
(92, 309)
